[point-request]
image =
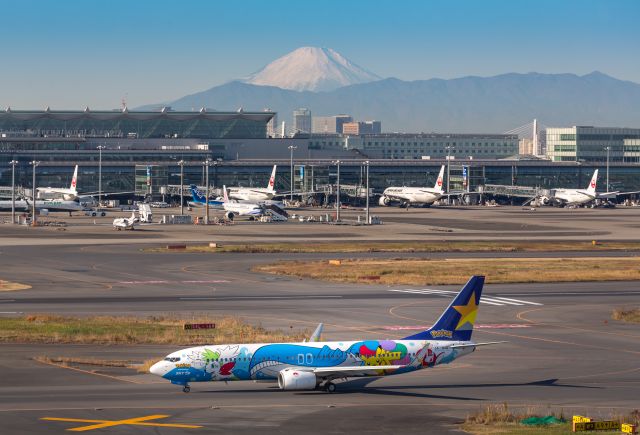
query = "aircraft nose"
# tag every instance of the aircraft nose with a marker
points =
(158, 369)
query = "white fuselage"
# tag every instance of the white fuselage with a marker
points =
(412, 195)
(326, 359)
(573, 196)
(243, 208)
(251, 194)
(47, 204)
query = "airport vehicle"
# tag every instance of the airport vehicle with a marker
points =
(574, 197)
(315, 365)
(69, 194)
(146, 215)
(255, 193)
(95, 212)
(406, 196)
(125, 223)
(199, 199)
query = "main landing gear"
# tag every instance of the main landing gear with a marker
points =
(328, 386)
(186, 389)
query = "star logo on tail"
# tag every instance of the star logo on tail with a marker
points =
(467, 313)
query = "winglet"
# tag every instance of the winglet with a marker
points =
(317, 333)
(456, 322)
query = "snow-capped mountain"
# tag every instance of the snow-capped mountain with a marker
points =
(311, 69)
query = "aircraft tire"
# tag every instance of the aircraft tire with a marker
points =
(330, 387)
(186, 389)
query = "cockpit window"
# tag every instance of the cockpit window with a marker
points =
(172, 358)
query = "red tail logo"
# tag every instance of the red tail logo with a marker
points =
(593, 184)
(439, 182)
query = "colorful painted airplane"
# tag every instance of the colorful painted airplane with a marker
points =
(315, 364)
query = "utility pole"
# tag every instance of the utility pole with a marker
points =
(100, 148)
(608, 149)
(13, 164)
(207, 163)
(291, 148)
(448, 173)
(181, 163)
(366, 163)
(337, 162)
(33, 193)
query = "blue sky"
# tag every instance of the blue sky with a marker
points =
(74, 53)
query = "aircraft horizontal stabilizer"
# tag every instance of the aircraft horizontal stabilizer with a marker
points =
(459, 346)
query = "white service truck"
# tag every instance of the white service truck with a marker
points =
(144, 211)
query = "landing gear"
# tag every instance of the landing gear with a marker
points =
(330, 387)
(186, 389)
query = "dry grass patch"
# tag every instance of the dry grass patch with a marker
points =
(426, 246)
(457, 271)
(45, 328)
(631, 315)
(140, 367)
(8, 286)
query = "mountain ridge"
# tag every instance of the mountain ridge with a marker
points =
(469, 104)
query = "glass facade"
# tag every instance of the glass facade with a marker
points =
(204, 125)
(589, 144)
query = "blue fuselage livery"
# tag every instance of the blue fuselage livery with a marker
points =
(312, 365)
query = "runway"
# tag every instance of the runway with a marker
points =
(563, 349)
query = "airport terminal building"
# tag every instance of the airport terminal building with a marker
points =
(128, 145)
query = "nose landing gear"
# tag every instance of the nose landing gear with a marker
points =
(186, 389)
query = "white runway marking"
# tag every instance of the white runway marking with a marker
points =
(257, 297)
(492, 300)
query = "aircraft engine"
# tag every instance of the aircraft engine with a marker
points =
(229, 215)
(384, 201)
(545, 200)
(293, 379)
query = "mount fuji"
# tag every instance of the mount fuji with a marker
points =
(311, 69)
(327, 83)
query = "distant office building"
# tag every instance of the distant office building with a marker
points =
(329, 124)
(272, 125)
(631, 151)
(589, 144)
(428, 146)
(525, 146)
(302, 121)
(362, 127)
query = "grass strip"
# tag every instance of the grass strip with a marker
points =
(426, 246)
(457, 271)
(8, 286)
(501, 419)
(631, 315)
(46, 328)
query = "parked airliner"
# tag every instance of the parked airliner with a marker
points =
(574, 197)
(255, 193)
(414, 195)
(67, 194)
(315, 364)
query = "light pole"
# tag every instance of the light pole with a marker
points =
(100, 148)
(337, 162)
(291, 148)
(448, 172)
(33, 192)
(608, 149)
(181, 163)
(13, 164)
(366, 164)
(207, 163)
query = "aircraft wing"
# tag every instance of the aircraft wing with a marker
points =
(345, 372)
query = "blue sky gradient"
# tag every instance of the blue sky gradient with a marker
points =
(74, 53)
